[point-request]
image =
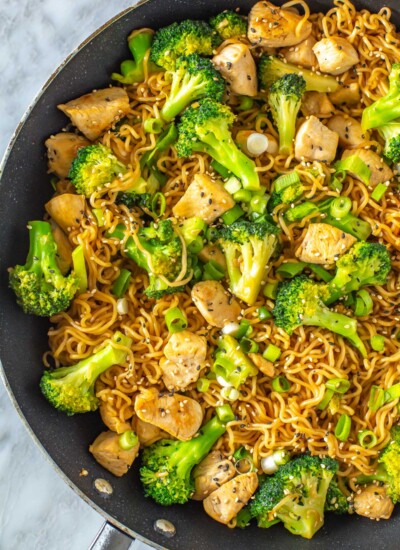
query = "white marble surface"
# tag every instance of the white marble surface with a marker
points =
(37, 510)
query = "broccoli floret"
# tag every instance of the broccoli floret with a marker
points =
(229, 24)
(247, 247)
(182, 39)
(295, 495)
(167, 465)
(336, 500)
(391, 134)
(72, 389)
(270, 68)
(137, 195)
(300, 301)
(39, 285)
(386, 108)
(195, 77)
(231, 363)
(93, 167)
(132, 70)
(288, 195)
(364, 264)
(284, 100)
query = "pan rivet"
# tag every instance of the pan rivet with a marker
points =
(103, 487)
(165, 527)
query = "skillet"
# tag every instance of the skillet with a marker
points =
(24, 188)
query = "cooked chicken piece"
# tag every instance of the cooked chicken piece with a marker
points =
(211, 252)
(266, 367)
(227, 501)
(335, 55)
(66, 210)
(176, 414)
(237, 66)
(205, 198)
(314, 141)
(349, 131)
(96, 112)
(147, 433)
(61, 151)
(302, 54)
(324, 244)
(211, 473)
(348, 94)
(215, 304)
(107, 451)
(111, 420)
(316, 103)
(373, 503)
(185, 353)
(64, 248)
(273, 27)
(380, 171)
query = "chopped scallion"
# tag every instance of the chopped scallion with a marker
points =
(203, 384)
(264, 313)
(248, 345)
(79, 268)
(232, 215)
(367, 439)
(121, 283)
(272, 353)
(128, 440)
(176, 320)
(340, 206)
(99, 215)
(377, 342)
(270, 290)
(379, 192)
(343, 427)
(280, 384)
(286, 180)
(212, 271)
(338, 385)
(225, 413)
(354, 164)
(153, 125)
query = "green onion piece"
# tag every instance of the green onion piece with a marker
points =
(320, 272)
(203, 384)
(118, 233)
(245, 329)
(121, 283)
(343, 427)
(196, 245)
(392, 393)
(363, 304)
(248, 345)
(326, 399)
(290, 269)
(245, 104)
(280, 384)
(356, 165)
(379, 192)
(128, 440)
(158, 204)
(286, 180)
(211, 234)
(230, 393)
(270, 290)
(377, 342)
(338, 385)
(263, 313)
(232, 215)
(272, 353)
(99, 215)
(300, 211)
(340, 207)
(233, 185)
(212, 271)
(367, 439)
(258, 204)
(337, 180)
(349, 300)
(221, 170)
(79, 268)
(225, 413)
(243, 195)
(175, 319)
(241, 453)
(197, 273)
(376, 398)
(153, 125)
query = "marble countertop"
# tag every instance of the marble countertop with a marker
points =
(38, 511)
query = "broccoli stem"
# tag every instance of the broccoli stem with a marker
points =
(183, 92)
(380, 475)
(42, 254)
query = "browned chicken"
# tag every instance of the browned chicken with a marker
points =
(316, 103)
(380, 171)
(98, 111)
(107, 451)
(335, 55)
(215, 304)
(66, 210)
(314, 141)
(302, 54)
(324, 244)
(226, 502)
(237, 66)
(211, 252)
(61, 151)
(348, 94)
(349, 131)
(64, 248)
(211, 473)
(373, 502)
(176, 414)
(147, 433)
(272, 27)
(111, 420)
(266, 367)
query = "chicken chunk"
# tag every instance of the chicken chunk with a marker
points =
(112, 420)
(211, 252)
(215, 304)
(273, 27)
(373, 503)
(147, 433)
(316, 103)
(335, 55)
(349, 131)
(266, 367)
(211, 473)
(302, 54)
(185, 354)
(380, 171)
(237, 66)
(66, 210)
(107, 451)
(314, 141)
(348, 94)
(64, 248)
(227, 501)
(324, 244)
(176, 414)
(96, 112)
(61, 151)
(205, 198)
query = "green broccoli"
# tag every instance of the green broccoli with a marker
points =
(364, 264)
(72, 389)
(205, 128)
(93, 167)
(336, 500)
(386, 108)
(229, 24)
(284, 100)
(195, 77)
(271, 68)
(287, 195)
(295, 495)
(150, 158)
(391, 134)
(300, 301)
(248, 246)
(132, 70)
(232, 364)
(167, 465)
(182, 39)
(39, 285)
(137, 195)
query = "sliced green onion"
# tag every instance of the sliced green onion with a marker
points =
(158, 204)
(270, 290)
(343, 427)
(128, 440)
(320, 272)
(99, 215)
(356, 165)
(301, 211)
(245, 104)
(211, 234)
(232, 215)
(376, 398)
(290, 269)
(153, 125)
(379, 192)
(349, 300)
(213, 271)
(272, 353)
(326, 399)
(340, 207)
(258, 204)
(363, 303)
(248, 345)
(392, 393)
(79, 268)
(286, 180)
(336, 183)
(338, 385)
(280, 384)
(377, 342)
(245, 329)
(230, 393)
(121, 284)
(203, 384)
(263, 313)
(243, 195)
(118, 233)
(176, 320)
(367, 439)
(233, 185)
(197, 273)
(225, 413)
(196, 245)
(241, 453)
(220, 169)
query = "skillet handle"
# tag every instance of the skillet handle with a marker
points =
(111, 538)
